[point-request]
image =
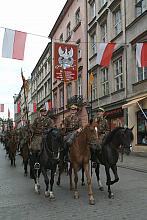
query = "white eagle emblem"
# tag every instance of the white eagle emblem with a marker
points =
(65, 57)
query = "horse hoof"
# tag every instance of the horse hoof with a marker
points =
(92, 202)
(101, 188)
(76, 195)
(111, 196)
(47, 193)
(51, 195)
(25, 174)
(83, 184)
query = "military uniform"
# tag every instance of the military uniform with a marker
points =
(39, 126)
(71, 125)
(102, 126)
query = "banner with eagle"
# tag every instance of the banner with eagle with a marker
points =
(65, 61)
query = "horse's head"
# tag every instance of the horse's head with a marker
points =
(128, 138)
(125, 137)
(91, 135)
(55, 142)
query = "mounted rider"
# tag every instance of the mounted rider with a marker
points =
(72, 126)
(40, 124)
(101, 124)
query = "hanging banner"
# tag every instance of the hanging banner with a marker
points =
(65, 61)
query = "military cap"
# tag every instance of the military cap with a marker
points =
(100, 110)
(73, 107)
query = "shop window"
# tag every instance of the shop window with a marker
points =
(141, 127)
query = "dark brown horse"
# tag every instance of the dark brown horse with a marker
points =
(12, 147)
(79, 156)
(24, 141)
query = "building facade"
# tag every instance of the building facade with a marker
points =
(41, 77)
(71, 28)
(124, 23)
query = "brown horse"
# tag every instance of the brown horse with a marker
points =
(79, 155)
(12, 147)
(24, 141)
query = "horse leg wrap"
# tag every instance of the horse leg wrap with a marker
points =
(52, 196)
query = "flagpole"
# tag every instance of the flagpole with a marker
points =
(25, 100)
(64, 78)
(91, 103)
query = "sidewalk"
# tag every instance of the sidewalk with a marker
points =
(134, 161)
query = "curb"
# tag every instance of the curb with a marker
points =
(132, 168)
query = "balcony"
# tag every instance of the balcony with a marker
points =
(75, 100)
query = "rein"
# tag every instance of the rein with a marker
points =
(50, 151)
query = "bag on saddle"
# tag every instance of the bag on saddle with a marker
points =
(35, 144)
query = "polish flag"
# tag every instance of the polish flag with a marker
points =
(13, 44)
(1, 107)
(104, 53)
(141, 54)
(17, 108)
(48, 105)
(33, 107)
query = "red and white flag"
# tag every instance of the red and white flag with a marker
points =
(141, 54)
(17, 107)
(33, 107)
(104, 53)
(1, 107)
(13, 44)
(48, 105)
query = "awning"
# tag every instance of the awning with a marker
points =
(133, 102)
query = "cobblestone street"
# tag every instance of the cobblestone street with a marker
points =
(18, 200)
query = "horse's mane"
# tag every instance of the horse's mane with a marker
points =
(110, 135)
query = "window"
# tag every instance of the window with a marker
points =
(61, 97)
(117, 21)
(79, 49)
(69, 91)
(118, 74)
(141, 6)
(141, 73)
(103, 2)
(105, 82)
(93, 43)
(68, 30)
(79, 84)
(61, 38)
(104, 32)
(94, 87)
(92, 9)
(77, 16)
(141, 127)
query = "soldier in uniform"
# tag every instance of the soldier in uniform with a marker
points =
(72, 126)
(101, 124)
(41, 123)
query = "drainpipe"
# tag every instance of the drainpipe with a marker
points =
(125, 61)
